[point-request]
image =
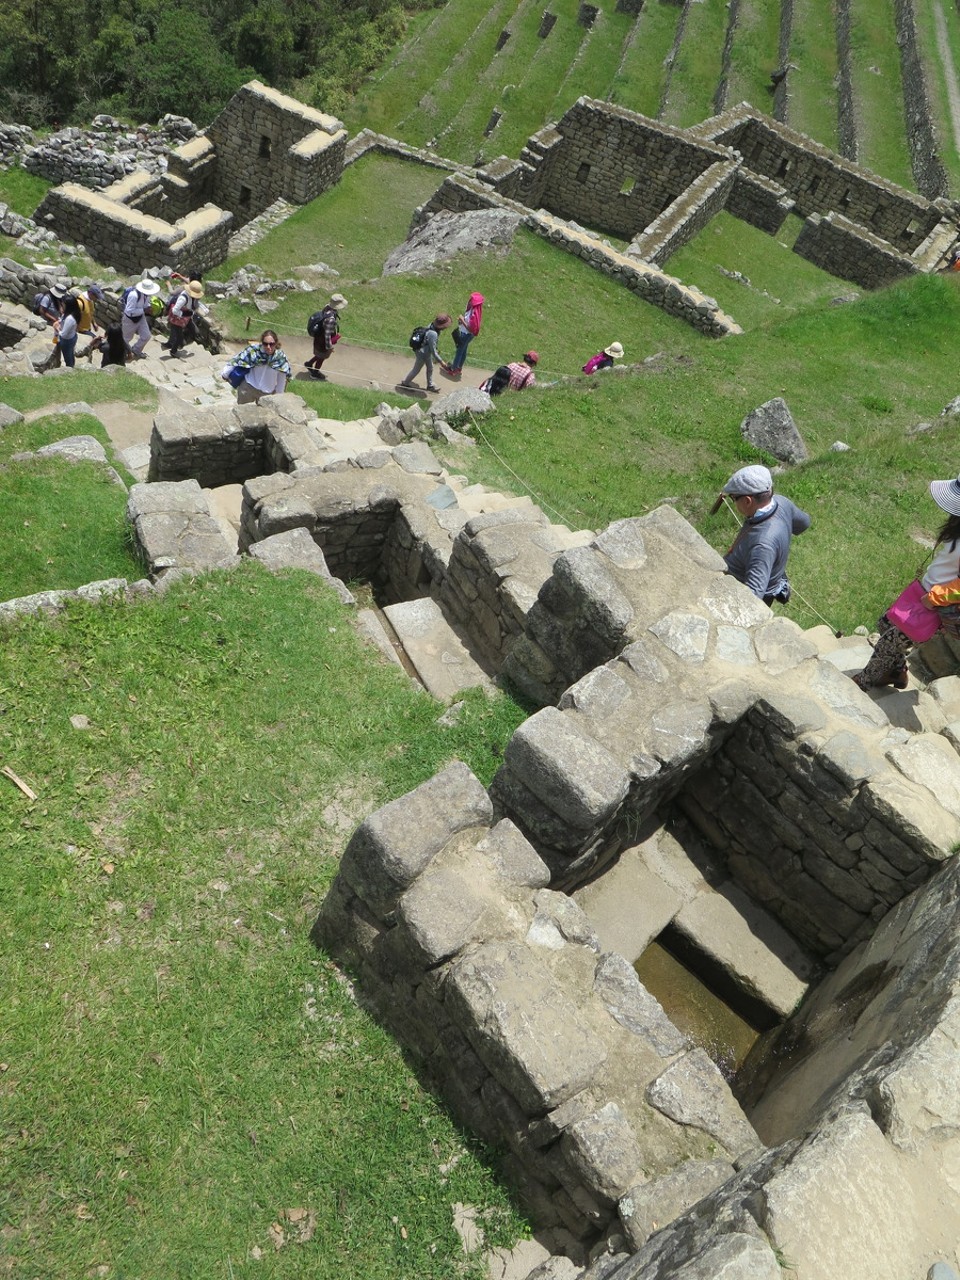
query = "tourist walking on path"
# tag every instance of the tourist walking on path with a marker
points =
(183, 307)
(468, 326)
(136, 331)
(758, 557)
(87, 324)
(427, 351)
(604, 359)
(49, 305)
(325, 335)
(260, 369)
(930, 602)
(66, 330)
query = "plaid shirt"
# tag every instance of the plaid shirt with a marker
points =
(521, 375)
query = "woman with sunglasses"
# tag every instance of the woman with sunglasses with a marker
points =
(266, 369)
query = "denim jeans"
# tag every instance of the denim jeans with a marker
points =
(462, 339)
(67, 347)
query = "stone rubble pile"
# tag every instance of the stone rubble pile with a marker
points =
(108, 150)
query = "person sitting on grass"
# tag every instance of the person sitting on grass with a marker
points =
(604, 359)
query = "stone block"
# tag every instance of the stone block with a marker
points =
(693, 1092)
(603, 1149)
(530, 1035)
(630, 1004)
(394, 845)
(650, 1206)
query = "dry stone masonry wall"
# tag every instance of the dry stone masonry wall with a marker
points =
(263, 146)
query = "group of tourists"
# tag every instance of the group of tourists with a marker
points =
(72, 314)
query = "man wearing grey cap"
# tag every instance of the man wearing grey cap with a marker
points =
(758, 557)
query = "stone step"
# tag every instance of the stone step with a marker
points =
(436, 652)
(718, 930)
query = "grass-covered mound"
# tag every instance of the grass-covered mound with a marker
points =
(181, 1068)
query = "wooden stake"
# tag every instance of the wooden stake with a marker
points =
(18, 782)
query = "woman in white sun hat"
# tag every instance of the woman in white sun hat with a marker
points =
(604, 359)
(133, 322)
(929, 603)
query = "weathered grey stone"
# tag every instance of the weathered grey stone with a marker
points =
(781, 645)
(727, 600)
(734, 1256)
(526, 1030)
(919, 1097)
(296, 549)
(583, 577)
(443, 911)
(571, 773)
(599, 693)
(622, 542)
(679, 732)
(559, 920)
(685, 634)
(849, 1181)
(641, 659)
(9, 417)
(650, 1206)
(771, 427)
(417, 456)
(461, 401)
(393, 846)
(603, 1148)
(681, 533)
(930, 761)
(792, 715)
(514, 858)
(631, 1004)
(734, 645)
(693, 1092)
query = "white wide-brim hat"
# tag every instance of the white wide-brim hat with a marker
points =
(615, 350)
(148, 287)
(946, 494)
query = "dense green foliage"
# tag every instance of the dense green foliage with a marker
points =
(61, 61)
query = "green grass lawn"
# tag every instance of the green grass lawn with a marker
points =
(754, 54)
(696, 71)
(639, 82)
(183, 1073)
(813, 46)
(65, 521)
(877, 90)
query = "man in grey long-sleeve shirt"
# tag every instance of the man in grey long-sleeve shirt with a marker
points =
(427, 352)
(758, 557)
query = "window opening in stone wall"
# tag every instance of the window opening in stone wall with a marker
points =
(628, 186)
(245, 195)
(583, 173)
(845, 198)
(785, 167)
(814, 185)
(264, 147)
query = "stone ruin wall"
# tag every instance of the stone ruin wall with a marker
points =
(448, 905)
(263, 146)
(658, 185)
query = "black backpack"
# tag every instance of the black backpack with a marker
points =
(498, 381)
(418, 337)
(315, 324)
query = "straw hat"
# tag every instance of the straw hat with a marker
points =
(195, 289)
(615, 350)
(338, 302)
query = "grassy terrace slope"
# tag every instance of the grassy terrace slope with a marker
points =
(440, 87)
(188, 1089)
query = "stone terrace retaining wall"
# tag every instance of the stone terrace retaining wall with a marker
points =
(706, 196)
(928, 170)
(539, 1043)
(648, 282)
(839, 246)
(130, 240)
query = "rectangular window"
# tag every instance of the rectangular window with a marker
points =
(264, 147)
(583, 173)
(245, 195)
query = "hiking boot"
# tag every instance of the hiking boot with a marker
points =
(320, 377)
(431, 387)
(900, 679)
(409, 386)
